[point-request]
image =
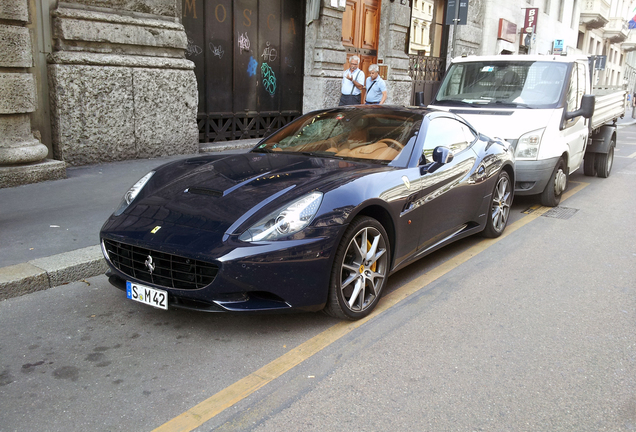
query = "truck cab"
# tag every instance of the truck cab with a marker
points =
(536, 103)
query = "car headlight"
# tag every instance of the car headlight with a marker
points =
(132, 193)
(528, 145)
(285, 221)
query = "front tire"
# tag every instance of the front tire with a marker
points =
(551, 195)
(604, 162)
(360, 270)
(500, 207)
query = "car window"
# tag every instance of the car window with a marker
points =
(377, 134)
(449, 133)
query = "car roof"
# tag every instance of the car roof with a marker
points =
(521, 58)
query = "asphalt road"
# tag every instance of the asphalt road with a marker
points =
(533, 332)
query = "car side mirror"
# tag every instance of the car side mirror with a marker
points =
(587, 108)
(441, 156)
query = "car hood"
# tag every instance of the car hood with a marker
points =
(217, 198)
(508, 124)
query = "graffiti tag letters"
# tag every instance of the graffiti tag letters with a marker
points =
(269, 53)
(269, 79)
(243, 42)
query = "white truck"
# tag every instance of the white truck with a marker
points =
(545, 107)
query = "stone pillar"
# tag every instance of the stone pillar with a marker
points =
(324, 57)
(22, 155)
(395, 19)
(120, 86)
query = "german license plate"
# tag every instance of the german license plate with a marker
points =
(147, 295)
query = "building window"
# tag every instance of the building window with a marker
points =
(579, 41)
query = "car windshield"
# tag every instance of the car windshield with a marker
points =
(522, 84)
(378, 134)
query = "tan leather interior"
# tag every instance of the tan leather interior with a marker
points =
(375, 151)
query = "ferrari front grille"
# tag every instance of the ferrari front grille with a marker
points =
(159, 268)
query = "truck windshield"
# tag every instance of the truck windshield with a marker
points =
(522, 84)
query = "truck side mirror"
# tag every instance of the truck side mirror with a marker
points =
(419, 99)
(586, 110)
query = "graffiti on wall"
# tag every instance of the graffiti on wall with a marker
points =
(269, 79)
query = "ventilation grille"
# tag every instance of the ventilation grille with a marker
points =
(169, 271)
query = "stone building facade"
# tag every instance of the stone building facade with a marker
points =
(95, 81)
(325, 54)
(92, 81)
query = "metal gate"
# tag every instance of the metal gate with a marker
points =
(427, 74)
(248, 57)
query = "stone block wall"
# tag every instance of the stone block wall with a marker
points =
(120, 86)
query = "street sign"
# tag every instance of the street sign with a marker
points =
(450, 12)
(557, 47)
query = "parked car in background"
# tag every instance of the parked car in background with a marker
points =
(316, 216)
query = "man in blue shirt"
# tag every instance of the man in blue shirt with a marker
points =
(352, 83)
(376, 87)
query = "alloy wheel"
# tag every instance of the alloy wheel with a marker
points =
(364, 269)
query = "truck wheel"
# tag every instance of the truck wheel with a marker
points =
(589, 164)
(604, 162)
(551, 195)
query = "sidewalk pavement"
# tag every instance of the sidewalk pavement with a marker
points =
(49, 231)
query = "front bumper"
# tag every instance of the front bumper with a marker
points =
(270, 276)
(533, 176)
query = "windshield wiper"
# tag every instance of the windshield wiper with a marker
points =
(456, 102)
(512, 104)
(262, 150)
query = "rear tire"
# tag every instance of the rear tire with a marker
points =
(360, 270)
(551, 195)
(604, 162)
(589, 164)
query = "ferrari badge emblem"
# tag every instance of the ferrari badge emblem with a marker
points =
(155, 229)
(149, 264)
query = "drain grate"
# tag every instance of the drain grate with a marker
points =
(560, 212)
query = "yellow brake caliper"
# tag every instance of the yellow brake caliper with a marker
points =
(373, 266)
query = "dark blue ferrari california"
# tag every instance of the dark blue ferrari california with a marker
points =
(316, 216)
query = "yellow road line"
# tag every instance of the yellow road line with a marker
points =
(244, 387)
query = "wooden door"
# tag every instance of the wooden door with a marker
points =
(360, 32)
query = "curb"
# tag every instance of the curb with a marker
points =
(45, 273)
(48, 272)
